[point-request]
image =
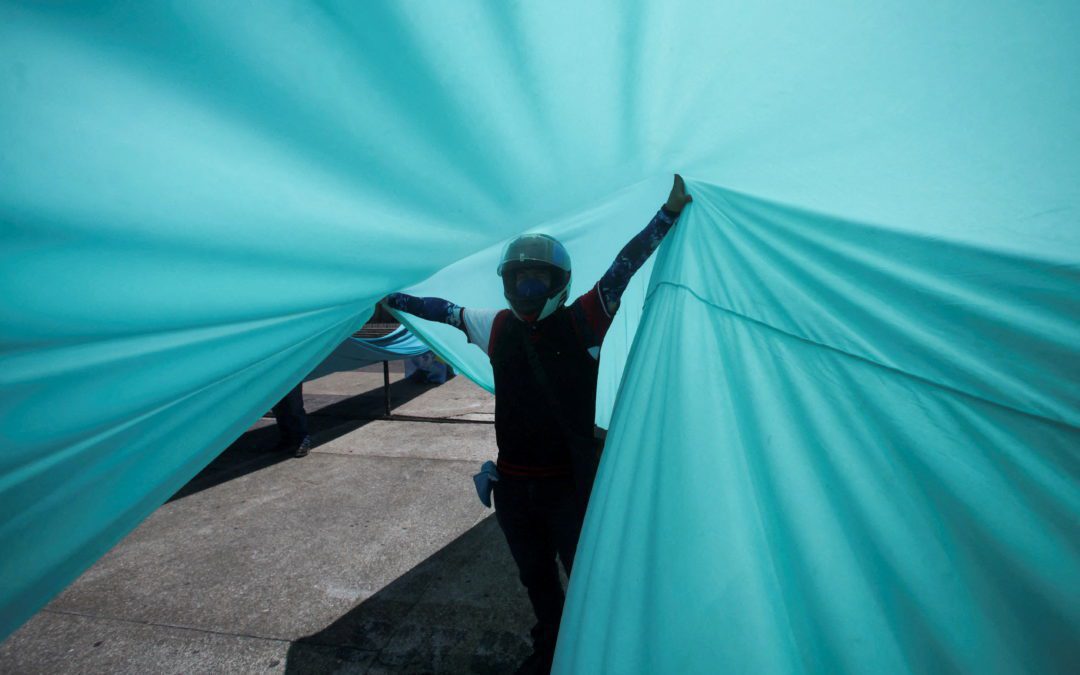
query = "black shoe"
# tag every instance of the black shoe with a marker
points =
(303, 448)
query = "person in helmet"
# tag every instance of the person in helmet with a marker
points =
(535, 271)
(544, 357)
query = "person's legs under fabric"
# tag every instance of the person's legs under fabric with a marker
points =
(291, 417)
(519, 510)
(564, 517)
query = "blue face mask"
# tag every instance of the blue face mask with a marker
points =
(531, 287)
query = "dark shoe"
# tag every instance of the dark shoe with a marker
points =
(303, 448)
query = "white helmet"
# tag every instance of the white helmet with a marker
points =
(532, 298)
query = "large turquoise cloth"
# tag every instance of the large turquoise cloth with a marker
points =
(359, 352)
(846, 434)
(861, 482)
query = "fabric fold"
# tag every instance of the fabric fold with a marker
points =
(803, 507)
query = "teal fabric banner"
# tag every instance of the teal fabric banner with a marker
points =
(359, 352)
(845, 437)
(857, 485)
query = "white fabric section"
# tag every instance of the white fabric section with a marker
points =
(478, 324)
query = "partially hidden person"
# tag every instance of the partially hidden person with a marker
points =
(292, 423)
(544, 354)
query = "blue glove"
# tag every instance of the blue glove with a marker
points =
(485, 481)
(398, 301)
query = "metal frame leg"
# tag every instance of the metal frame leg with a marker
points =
(386, 385)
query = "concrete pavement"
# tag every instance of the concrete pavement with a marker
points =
(370, 555)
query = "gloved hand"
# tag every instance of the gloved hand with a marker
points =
(678, 197)
(394, 301)
(485, 480)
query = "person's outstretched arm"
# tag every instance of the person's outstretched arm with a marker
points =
(475, 323)
(637, 250)
(432, 309)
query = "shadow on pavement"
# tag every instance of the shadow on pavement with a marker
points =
(459, 611)
(329, 417)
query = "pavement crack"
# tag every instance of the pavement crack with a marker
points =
(438, 420)
(156, 624)
(467, 460)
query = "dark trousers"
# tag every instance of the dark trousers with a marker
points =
(290, 415)
(541, 519)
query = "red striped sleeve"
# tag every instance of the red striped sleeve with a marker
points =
(591, 319)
